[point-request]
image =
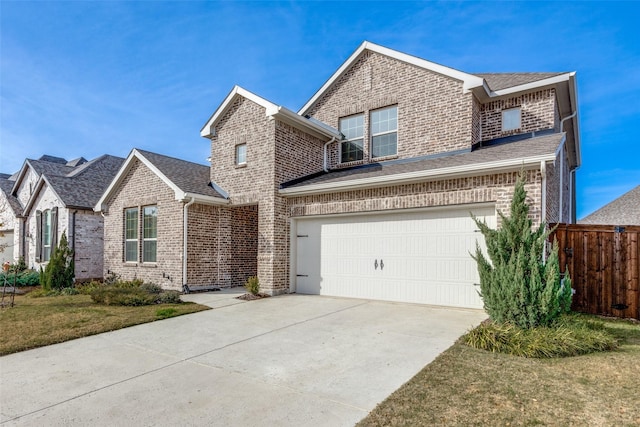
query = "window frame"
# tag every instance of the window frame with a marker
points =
(47, 237)
(353, 140)
(136, 230)
(510, 111)
(154, 238)
(373, 135)
(237, 149)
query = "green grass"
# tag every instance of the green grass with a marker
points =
(37, 322)
(469, 387)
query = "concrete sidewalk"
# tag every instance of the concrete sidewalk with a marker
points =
(288, 361)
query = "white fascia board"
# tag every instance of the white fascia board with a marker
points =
(533, 85)
(206, 130)
(575, 105)
(411, 177)
(21, 174)
(36, 192)
(202, 199)
(469, 81)
(303, 123)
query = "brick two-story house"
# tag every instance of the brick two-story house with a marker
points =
(367, 191)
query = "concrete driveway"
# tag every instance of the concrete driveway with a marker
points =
(288, 361)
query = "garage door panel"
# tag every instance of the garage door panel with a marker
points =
(426, 256)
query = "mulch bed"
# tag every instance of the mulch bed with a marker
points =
(251, 297)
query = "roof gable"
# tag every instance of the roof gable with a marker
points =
(82, 187)
(187, 180)
(320, 130)
(469, 81)
(6, 185)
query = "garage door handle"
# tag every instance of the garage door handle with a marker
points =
(375, 265)
(381, 265)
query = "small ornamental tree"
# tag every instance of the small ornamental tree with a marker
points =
(516, 283)
(60, 271)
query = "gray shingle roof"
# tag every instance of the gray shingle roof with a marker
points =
(514, 150)
(83, 186)
(625, 210)
(188, 176)
(6, 185)
(499, 81)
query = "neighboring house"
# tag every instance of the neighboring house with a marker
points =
(625, 210)
(10, 212)
(56, 196)
(366, 192)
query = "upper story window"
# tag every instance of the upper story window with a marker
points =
(131, 235)
(384, 132)
(353, 130)
(150, 234)
(511, 119)
(241, 154)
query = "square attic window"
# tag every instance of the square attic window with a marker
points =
(511, 119)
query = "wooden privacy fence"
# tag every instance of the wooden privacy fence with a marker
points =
(604, 264)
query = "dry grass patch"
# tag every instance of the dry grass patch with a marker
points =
(469, 387)
(36, 322)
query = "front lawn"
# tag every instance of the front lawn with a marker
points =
(469, 387)
(36, 322)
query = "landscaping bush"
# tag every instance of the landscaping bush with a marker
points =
(22, 278)
(518, 286)
(169, 297)
(132, 293)
(569, 336)
(60, 271)
(122, 296)
(252, 285)
(87, 288)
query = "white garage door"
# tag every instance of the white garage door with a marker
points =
(410, 256)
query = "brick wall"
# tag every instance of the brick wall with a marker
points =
(140, 188)
(497, 189)
(538, 112)
(27, 185)
(89, 244)
(46, 199)
(434, 115)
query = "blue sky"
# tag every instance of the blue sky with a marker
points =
(88, 78)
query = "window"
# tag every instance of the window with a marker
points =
(353, 130)
(384, 132)
(150, 234)
(46, 235)
(131, 235)
(511, 119)
(241, 154)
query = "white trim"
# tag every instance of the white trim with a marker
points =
(293, 227)
(180, 195)
(271, 110)
(469, 81)
(528, 86)
(42, 180)
(409, 177)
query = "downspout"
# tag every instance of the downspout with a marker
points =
(543, 192)
(561, 202)
(324, 154)
(184, 241)
(73, 237)
(543, 204)
(572, 183)
(566, 118)
(73, 232)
